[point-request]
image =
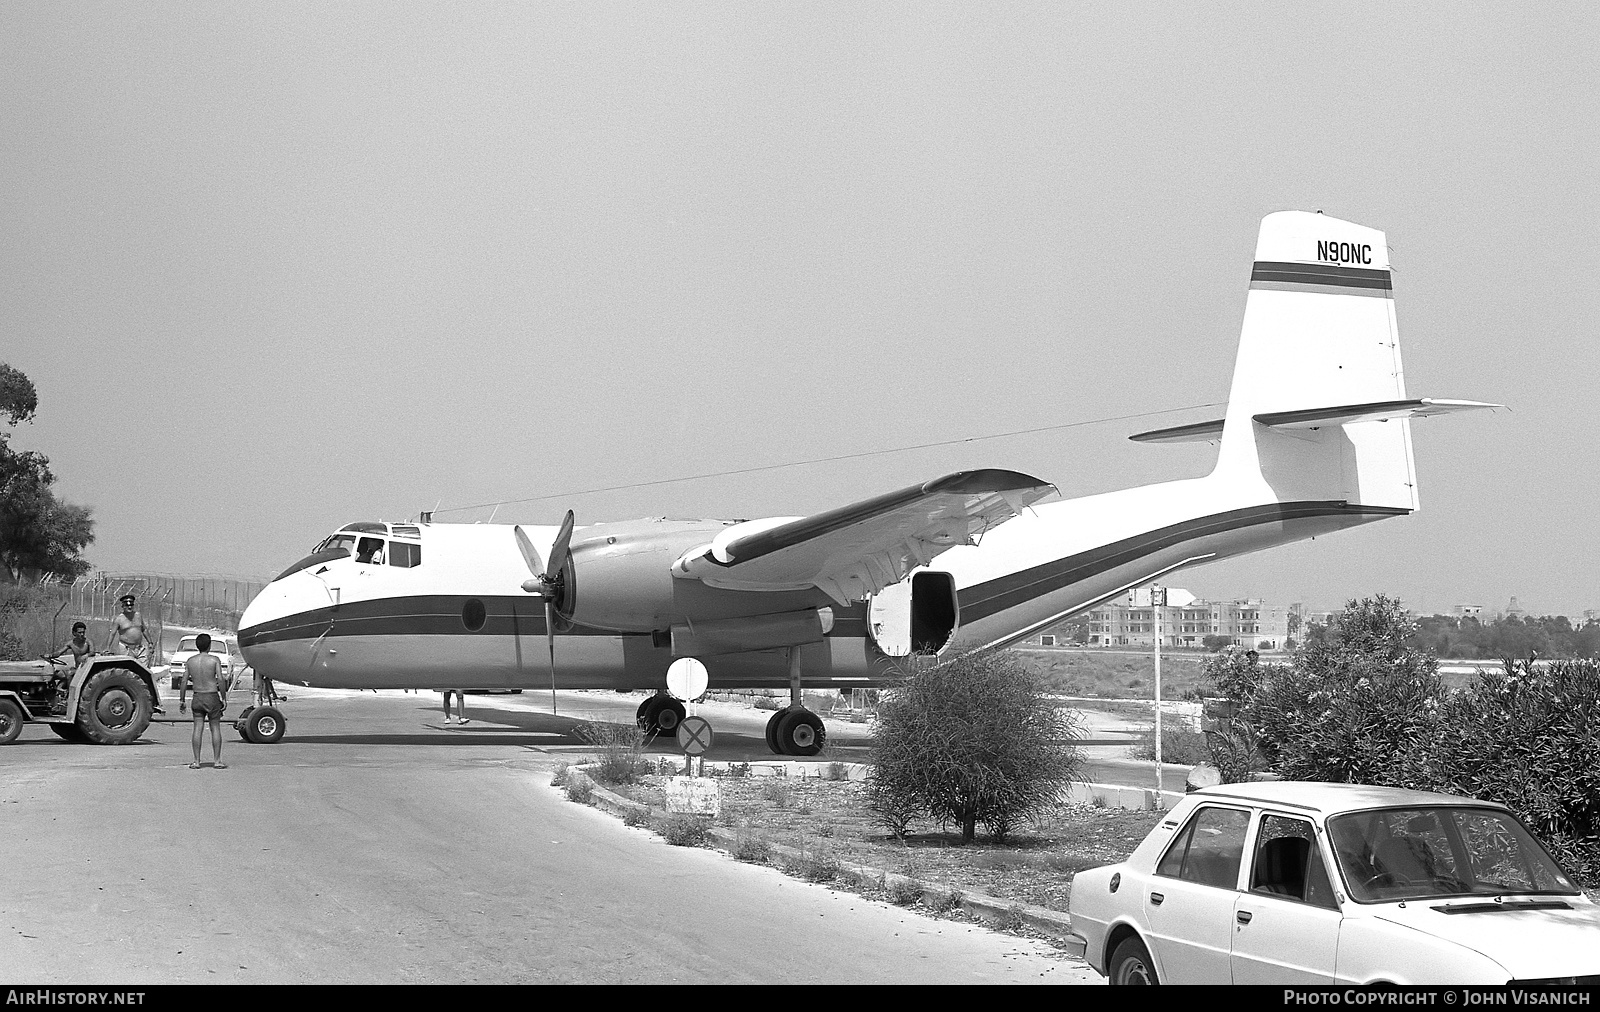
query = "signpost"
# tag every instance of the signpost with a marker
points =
(1158, 601)
(687, 679)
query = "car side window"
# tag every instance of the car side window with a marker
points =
(1209, 850)
(1288, 863)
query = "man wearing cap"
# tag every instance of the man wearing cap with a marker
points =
(128, 636)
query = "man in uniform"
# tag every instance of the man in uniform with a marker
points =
(128, 636)
(203, 672)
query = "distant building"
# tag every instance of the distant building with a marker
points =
(1467, 610)
(1251, 623)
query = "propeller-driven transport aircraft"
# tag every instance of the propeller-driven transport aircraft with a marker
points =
(1316, 438)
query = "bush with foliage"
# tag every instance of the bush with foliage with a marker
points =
(972, 740)
(1529, 738)
(620, 748)
(1358, 694)
(1362, 703)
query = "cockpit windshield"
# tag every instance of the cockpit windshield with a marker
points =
(347, 542)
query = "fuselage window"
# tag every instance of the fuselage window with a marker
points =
(370, 550)
(473, 614)
(404, 554)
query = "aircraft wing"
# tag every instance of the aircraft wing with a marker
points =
(859, 549)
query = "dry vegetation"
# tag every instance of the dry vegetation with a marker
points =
(829, 821)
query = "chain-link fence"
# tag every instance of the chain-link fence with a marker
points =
(205, 602)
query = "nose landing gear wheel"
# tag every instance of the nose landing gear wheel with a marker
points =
(262, 725)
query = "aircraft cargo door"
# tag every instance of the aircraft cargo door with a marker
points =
(917, 615)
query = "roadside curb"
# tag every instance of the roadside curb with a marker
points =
(988, 908)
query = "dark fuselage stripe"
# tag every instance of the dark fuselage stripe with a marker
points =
(982, 600)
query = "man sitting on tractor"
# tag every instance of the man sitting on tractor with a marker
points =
(81, 651)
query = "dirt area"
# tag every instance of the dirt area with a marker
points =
(829, 821)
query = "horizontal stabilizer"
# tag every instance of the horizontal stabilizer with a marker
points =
(1377, 411)
(1315, 418)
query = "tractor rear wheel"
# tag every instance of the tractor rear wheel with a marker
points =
(114, 707)
(11, 719)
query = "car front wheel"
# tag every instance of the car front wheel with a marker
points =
(1130, 964)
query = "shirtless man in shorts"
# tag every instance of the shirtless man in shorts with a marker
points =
(128, 636)
(203, 673)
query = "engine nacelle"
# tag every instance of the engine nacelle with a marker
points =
(918, 615)
(623, 581)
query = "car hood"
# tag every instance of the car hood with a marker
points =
(1530, 944)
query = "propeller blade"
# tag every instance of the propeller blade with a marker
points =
(550, 636)
(560, 550)
(529, 556)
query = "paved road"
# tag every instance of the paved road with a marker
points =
(375, 845)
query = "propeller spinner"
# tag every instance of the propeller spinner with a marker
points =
(548, 584)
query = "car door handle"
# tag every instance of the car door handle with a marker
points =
(1243, 916)
(1156, 898)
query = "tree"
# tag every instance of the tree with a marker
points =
(39, 533)
(972, 740)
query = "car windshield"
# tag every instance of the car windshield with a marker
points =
(1422, 853)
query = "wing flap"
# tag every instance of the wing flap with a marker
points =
(861, 548)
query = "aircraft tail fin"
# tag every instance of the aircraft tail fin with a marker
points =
(1320, 344)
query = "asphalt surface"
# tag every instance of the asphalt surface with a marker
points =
(377, 845)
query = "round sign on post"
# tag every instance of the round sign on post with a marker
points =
(687, 679)
(695, 736)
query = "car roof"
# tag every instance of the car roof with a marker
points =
(1333, 799)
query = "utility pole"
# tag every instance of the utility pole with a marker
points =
(1158, 601)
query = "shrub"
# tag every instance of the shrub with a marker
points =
(838, 771)
(1178, 745)
(903, 892)
(944, 902)
(619, 747)
(970, 740)
(752, 849)
(633, 816)
(579, 789)
(813, 867)
(1010, 921)
(683, 830)
(1357, 696)
(778, 792)
(559, 777)
(1529, 738)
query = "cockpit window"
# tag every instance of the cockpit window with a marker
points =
(404, 555)
(370, 550)
(339, 542)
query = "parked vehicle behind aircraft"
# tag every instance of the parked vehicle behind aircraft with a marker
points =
(1313, 883)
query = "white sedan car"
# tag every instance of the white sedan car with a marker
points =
(1284, 883)
(221, 647)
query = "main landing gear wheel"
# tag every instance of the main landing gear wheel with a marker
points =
(799, 732)
(262, 725)
(114, 707)
(772, 730)
(660, 715)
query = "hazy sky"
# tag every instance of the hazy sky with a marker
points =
(277, 267)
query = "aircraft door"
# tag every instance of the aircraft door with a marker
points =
(916, 615)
